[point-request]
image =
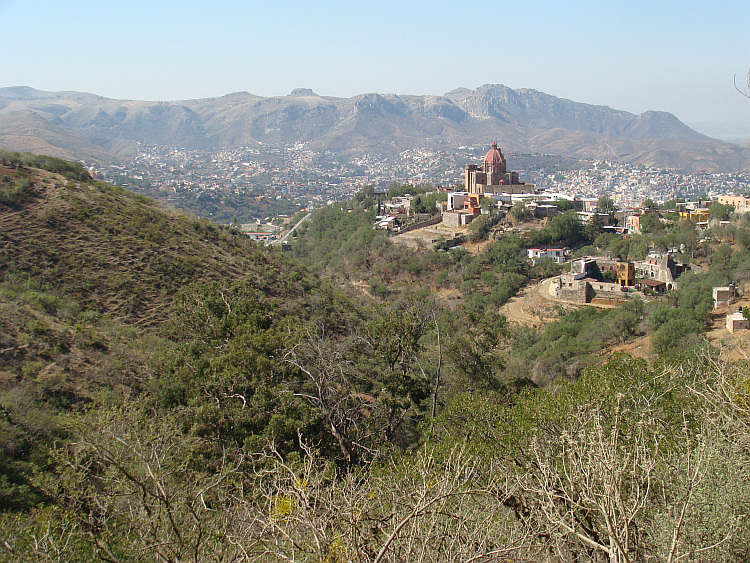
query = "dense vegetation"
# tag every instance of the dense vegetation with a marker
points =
(340, 242)
(256, 407)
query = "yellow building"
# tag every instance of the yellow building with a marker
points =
(700, 216)
(625, 273)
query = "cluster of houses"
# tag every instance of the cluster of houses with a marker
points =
(491, 189)
(696, 211)
(463, 207)
(591, 280)
(394, 212)
(586, 282)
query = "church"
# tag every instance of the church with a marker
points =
(493, 178)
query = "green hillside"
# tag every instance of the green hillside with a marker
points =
(171, 391)
(112, 250)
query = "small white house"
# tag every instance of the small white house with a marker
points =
(555, 254)
(736, 321)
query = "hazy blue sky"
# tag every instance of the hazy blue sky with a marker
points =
(676, 56)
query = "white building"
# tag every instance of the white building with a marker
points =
(554, 254)
(736, 321)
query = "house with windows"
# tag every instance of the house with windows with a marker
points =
(698, 215)
(737, 321)
(660, 267)
(741, 203)
(557, 255)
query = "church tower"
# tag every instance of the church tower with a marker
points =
(493, 177)
(494, 166)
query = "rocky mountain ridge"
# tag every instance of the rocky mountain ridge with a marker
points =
(81, 125)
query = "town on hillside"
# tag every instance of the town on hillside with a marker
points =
(497, 195)
(251, 184)
(423, 198)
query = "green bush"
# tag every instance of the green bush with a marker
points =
(11, 191)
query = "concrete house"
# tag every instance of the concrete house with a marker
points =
(555, 254)
(736, 321)
(724, 295)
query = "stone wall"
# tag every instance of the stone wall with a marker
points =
(415, 226)
(568, 288)
(605, 292)
(452, 219)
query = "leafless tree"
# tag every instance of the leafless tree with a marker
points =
(129, 478)
(420, 510)
(331, 389)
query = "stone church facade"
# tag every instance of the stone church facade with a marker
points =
(493, 176)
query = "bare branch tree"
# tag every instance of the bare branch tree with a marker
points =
(329, 373)
(128, 478)
(420, 510)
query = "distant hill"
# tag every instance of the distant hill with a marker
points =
(72, 124)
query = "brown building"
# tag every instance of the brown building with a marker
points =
(493, 176)
(724, 295)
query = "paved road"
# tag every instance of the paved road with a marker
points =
(297, 224)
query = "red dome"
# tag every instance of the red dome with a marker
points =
(494, 156)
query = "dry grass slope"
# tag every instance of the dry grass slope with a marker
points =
(112, 250)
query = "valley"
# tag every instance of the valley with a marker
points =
(374, 282)
(162, 375)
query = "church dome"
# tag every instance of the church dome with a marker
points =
(494, 156)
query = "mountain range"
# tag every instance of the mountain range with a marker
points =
(94, 128)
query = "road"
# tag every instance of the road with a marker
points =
(297, 224)
(514, 309)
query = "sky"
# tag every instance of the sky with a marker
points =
(679, 56)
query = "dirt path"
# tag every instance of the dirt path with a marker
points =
(533, 305)
(513, 309)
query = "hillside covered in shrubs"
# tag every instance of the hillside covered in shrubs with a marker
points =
(173, 391)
